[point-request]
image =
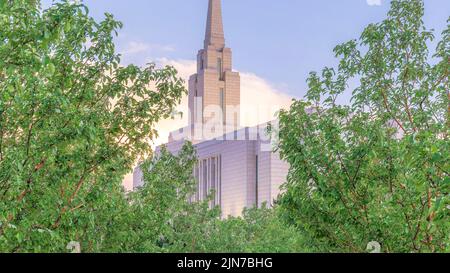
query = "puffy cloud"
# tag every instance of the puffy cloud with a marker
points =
(260, 100)
(132, 51)
(135, 48)
(185, 68)
(374, 2)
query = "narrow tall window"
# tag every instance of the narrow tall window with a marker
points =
(219, 68)
(205, 180)
(213, 180)
(257, 183)
(208, 176)
(219, 181)
(222, 103)
(197, 176)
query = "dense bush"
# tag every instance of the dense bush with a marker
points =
(377, 169)
(160, 217)
(73, 122)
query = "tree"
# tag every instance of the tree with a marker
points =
(162, 218)
(72, 124)
(259, 230)
(376, 169)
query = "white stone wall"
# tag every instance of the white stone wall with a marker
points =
(238, 157)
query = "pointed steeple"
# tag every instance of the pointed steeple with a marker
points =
(214, 26)
(215, 84)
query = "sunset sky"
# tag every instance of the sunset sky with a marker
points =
(294, 36)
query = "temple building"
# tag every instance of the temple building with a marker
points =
(237, 164)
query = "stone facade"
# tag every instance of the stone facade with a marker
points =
(237, 163)
(215, 84)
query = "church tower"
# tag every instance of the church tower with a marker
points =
(215, 85)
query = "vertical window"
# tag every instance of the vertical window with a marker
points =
(222, 102)
(213, 180)
(219, 68)
(208, 176)
(257, 182)
(205, 179)
(197, 177)
(219, 180)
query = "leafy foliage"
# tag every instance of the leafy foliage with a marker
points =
(378, 168)
(162, 219)
(72, 122)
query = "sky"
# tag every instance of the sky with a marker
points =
(275, 43)
(278, 40)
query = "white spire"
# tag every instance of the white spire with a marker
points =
(214, 25)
